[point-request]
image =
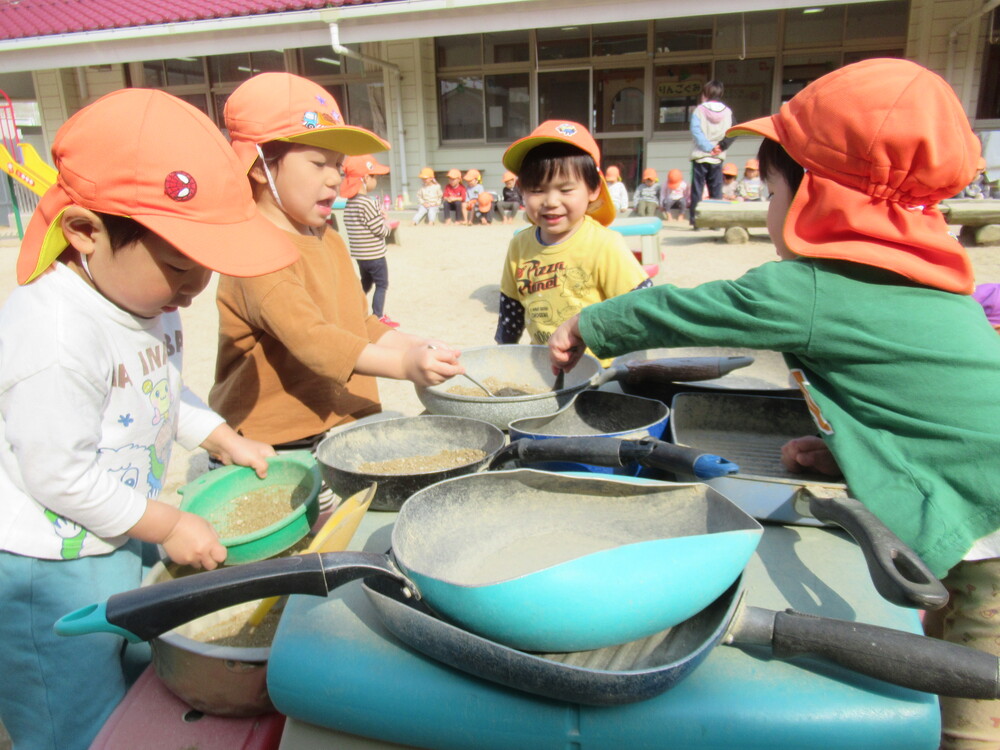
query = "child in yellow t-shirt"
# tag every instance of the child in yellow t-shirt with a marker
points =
(569, 258)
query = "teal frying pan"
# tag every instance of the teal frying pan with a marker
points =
(534, 560)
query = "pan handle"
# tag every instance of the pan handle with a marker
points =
(905, 659)
(653, 372)
(899, 574)
(616, 452)
(144, 613)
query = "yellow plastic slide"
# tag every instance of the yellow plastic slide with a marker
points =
(34, 173)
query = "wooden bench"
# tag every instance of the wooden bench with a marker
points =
(979, 219)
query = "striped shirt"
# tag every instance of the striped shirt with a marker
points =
(366, 228)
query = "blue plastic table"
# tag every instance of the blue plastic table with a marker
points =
(340, 677)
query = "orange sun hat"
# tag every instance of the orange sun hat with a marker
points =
(287, 107)
(149, 156)
(356, 168)
(573, 133)
(882, 142)
(674, 178)
(454, 174)
(730, 169)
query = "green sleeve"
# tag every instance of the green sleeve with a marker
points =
(770, 307)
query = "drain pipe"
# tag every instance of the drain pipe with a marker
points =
(396, 93)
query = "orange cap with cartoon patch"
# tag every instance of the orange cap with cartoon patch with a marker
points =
(876, 167)
(149, 156)
(287, 107)
(356, 168)
(573, 133)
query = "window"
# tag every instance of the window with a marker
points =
(458, 51)
(620, 38)
(683, 34)
(677, 89)
(989, 88)
(565, 95)
(461, 103)
(178, 71)
(508, 107)
(563, 43)
(507, 47)
(484, 102)
(619, 103)
(237, 68)
(749, 84)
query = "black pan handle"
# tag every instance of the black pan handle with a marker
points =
(144, 613)
(899, 574)
(904, 659)
(615, 453)
(653, 372)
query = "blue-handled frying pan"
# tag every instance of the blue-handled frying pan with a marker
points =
(534, 560)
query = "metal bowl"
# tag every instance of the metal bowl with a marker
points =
(522, 364)
(217, 680)
(342, 454)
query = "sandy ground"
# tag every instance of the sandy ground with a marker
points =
(444, 282)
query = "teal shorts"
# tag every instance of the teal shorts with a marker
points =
(56, 692)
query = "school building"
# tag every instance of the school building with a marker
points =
(450, 83)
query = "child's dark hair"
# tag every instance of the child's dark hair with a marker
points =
(712, 91)
(122, 230)
(775, 162)
(551, 160)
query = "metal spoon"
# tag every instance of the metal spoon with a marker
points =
(487, 390)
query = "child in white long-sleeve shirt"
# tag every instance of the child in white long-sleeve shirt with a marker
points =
(91, 395)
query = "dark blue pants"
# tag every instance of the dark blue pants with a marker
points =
(704, 174)
(375, 273)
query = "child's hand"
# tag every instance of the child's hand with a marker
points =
(566, 346)
(431, 364)
(192, 541)
(229, 447)
(809, 453)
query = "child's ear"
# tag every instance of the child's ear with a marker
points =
(82, 228)
(257, 173)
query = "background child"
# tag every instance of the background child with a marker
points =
(510, 198)
(709, 123)
(484, 207)
(729, 182)
(454, 198)
(473, 187)
(367, 228)
(92, 396)
(429, 196)
(298, 349)
(569, 259)
(617, 189)
(751, 187)
(647, 195)
(674, 196)
(871, 306)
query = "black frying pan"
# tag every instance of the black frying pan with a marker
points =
(643, 669)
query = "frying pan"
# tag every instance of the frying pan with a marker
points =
(528, 365)
(767, 375)
(752, 430)
(645, 668)
(341, 455)
(535, 560)
(601, 414)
